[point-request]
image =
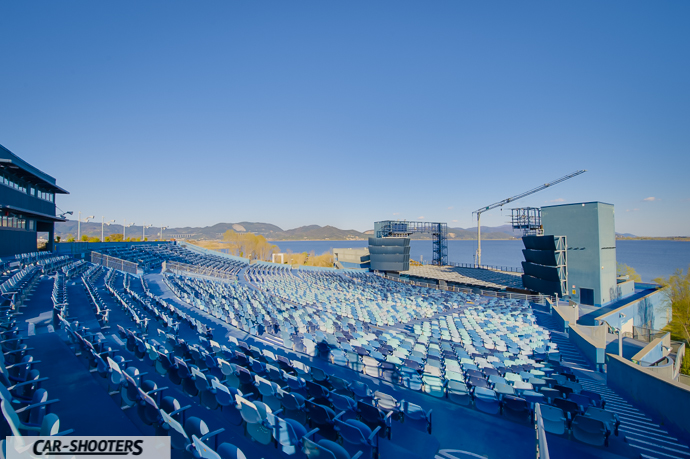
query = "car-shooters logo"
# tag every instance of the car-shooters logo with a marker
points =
(47, 447)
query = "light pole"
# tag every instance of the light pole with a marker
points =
(143, 231)
(163, 228)
(103, 223)
(124, 230)
(79, 225)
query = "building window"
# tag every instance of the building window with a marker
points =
(17, 222)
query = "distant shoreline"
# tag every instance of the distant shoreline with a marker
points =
(355, 240)
(676, 239)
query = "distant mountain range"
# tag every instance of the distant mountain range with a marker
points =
(271, 232)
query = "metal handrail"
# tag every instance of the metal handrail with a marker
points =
(488, 267)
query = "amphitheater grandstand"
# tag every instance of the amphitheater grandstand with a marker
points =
(282, 362)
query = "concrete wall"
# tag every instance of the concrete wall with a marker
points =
(13, 241)
(667, 401)
(648, 311)
(653, 351)
(590, 231)
(355, 255)
(591, 341)
(625, 289)
(566, 315)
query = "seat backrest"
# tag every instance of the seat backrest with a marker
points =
(318, 413)
(292, 401)
(595, 396)
(457, 387)
(11, 417)
(369, 412)
(590, 425)
(413, 411)
(349, 432)
(484, 393)
(316, 390)
(566, 405)
(341, 402)
(177, 433)
(248, 410)
(551, 413)
(515, 403)
(265, 386)
(313, 450)
(601, 414)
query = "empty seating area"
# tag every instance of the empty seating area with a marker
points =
(475, 351)
(205, 260)
(21, 273)
(243, 307)
(281, 407)
(301, 363)
(136, 254)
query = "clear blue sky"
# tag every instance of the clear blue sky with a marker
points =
(343, 113)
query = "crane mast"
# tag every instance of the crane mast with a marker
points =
(481, 210)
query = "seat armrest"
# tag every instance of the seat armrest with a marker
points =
(36, 405)
(212, 434)
(155, 391)
(176, 412)
(310, 433)
(17, 350)
(10, 340)
(31, 381)
(373, 435)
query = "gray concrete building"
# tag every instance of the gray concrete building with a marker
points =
(591, 239)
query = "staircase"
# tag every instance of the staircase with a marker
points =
(641, 432)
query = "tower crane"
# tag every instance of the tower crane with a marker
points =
(480, 211)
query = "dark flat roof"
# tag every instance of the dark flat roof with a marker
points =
(577, 204)
(32, 213)
(27, 171)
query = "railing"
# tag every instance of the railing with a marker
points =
(179, 268)
(679, 349)
(644, 334)
(684, 379)
(539, 299)
(114, 263)
(508, 269)
(542, 448)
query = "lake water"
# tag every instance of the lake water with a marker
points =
(650, 259)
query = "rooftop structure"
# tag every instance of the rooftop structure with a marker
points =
(404, 229)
